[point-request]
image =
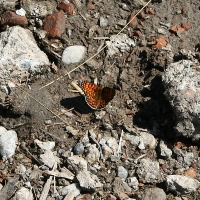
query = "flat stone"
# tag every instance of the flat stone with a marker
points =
(48, 158)
(120, 186)
(49, 145)
(88, 181)
(182, 184)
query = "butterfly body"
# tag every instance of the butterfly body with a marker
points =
(96, 96)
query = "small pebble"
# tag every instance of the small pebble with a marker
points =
(78, 148)
(8, 137)
(103, 22)
(73, 54)
(122, 172)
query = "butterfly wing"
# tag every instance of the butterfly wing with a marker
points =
(91, 92)
(107, 95)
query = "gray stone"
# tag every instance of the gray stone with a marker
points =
(78, 161)
(24, 194)
(103, 22)
(73, 187)
(88, 181)
(93, 154)
(181, 82)
(119, 43)
(164, 150)
(78, 148)
(133, 182)
(8, 5)
(154, 193)
(149, 171)
(122, 172)
(120, 186)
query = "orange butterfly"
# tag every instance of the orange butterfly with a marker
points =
(96, 96)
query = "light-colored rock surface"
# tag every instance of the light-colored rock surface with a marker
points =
(20, 54)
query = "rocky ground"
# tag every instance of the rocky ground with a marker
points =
(144, 144)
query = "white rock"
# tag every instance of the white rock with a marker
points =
(48, 158)
(120, 43)
(182, 184)
(73, 54)
(188, 158)
(164, 150)
(81, 162)
(1, 186)
(112, 143)
(73, 187)
(149, 171)
(24, 194)
(8, 143)
(107, 151)
(103, 22)
(39, 8)
(93, 154)
(45, 145)
(122, 172)
(135, 140)
(2, 130)
(88, 181)
(18, 48)
(133, 182)
(148, 139)
(21, 12)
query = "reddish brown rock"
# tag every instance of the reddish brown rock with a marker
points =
(133, 20)
(111, 197)
(160, 42)
(149, 11)
(186, 26)
(137, 33)
(175, 29)
(12, 19)
(184, 10)
(90, 5)
(54, 24)
(84, 197)
(191, 172)
(67, 7)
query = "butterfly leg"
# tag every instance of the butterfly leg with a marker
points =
(77, 88)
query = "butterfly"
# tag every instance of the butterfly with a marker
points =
(96, 96)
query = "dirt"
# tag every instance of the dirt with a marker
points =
(135, 75)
